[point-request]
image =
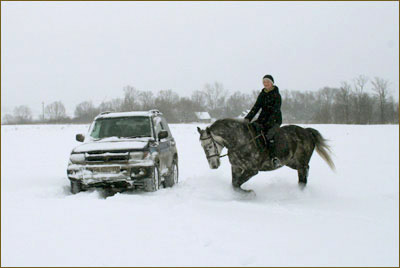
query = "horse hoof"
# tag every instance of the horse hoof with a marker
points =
(248, 191)
(302, 185)
(244, 192)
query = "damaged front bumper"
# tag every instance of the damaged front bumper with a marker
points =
(137, 175)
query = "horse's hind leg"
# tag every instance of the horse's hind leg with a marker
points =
(240, 176)
(303, 174)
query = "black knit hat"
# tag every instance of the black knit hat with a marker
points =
(268, 76)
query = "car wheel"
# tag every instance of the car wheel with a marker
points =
(76, 187)
(155, 181)
(172, 178)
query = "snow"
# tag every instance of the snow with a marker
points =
(347, 218)
(123, 114)
(203, 115)
(114, 145)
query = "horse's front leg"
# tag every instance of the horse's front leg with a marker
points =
(240, 176)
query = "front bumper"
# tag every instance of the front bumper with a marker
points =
(123, 176)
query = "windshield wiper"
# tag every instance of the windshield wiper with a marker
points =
(122, 137)
(138, 136)
(107, 138)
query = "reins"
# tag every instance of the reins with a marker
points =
(215, 145)
(216, 142)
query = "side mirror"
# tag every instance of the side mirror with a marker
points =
(80, 137)
(162, 135)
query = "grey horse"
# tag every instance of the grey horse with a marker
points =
(294, 147)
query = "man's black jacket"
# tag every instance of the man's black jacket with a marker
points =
(270, 103)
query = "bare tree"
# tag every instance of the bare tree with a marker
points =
(8, 119)
(286, 107)
(325, 100)
(85, 111)
(106, 106)
(167, 96)
(302, 106)
(55, 111)
(360, 83)
(131, 99)
(198, 99)
(391, 110)
(380, 87)
(114, 105)
(342, 106)
(186, 110)
(359, 86)
(147, 100)
(367, 109)
(237, 103)
(22, 114)
(215, 98)
(166, 102)
(215, 95)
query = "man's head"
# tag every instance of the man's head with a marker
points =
(268, 81)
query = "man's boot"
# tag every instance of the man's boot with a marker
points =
(275, 162)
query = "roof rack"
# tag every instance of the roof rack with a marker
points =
(106, 112)
(155, 112)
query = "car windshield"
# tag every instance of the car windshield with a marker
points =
(121, 127)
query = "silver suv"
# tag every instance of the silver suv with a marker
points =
(129, 150)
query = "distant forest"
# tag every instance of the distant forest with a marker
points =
(361, 101)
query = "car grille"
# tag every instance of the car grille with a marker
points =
(115, 156)
(104, 169)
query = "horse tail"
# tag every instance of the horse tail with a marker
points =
(322, 147)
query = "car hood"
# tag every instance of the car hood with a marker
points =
(111, 145)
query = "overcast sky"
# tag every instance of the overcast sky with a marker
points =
(76, 51)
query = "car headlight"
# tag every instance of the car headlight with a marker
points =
(77, 158)
(138, 155)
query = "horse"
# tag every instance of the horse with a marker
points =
(293, 145)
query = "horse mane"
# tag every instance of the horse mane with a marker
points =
(226, 121)
(227, 129)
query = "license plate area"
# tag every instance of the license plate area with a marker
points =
(112, 170)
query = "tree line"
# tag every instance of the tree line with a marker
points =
(361, 101)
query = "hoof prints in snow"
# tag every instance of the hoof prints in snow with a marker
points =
(350, 218)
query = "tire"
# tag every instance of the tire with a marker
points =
(172, 178)
(154, 181)
(76, 187)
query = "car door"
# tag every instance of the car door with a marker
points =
(163, 144)
(171, 144)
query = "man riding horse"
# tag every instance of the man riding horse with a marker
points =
(269, 101)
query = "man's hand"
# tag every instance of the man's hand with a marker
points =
(270, 135)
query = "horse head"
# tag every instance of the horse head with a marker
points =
(212, 147)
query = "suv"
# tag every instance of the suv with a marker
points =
(129, 150)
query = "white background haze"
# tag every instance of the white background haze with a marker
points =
(76, 51)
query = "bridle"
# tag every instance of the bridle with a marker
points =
(210, 137)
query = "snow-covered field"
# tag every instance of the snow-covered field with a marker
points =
(347, 218)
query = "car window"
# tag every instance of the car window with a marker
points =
(161, 124)
(157, 126)
(121, 127)
(166, 127)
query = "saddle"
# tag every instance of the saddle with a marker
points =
(258, 137)
(262, 138)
